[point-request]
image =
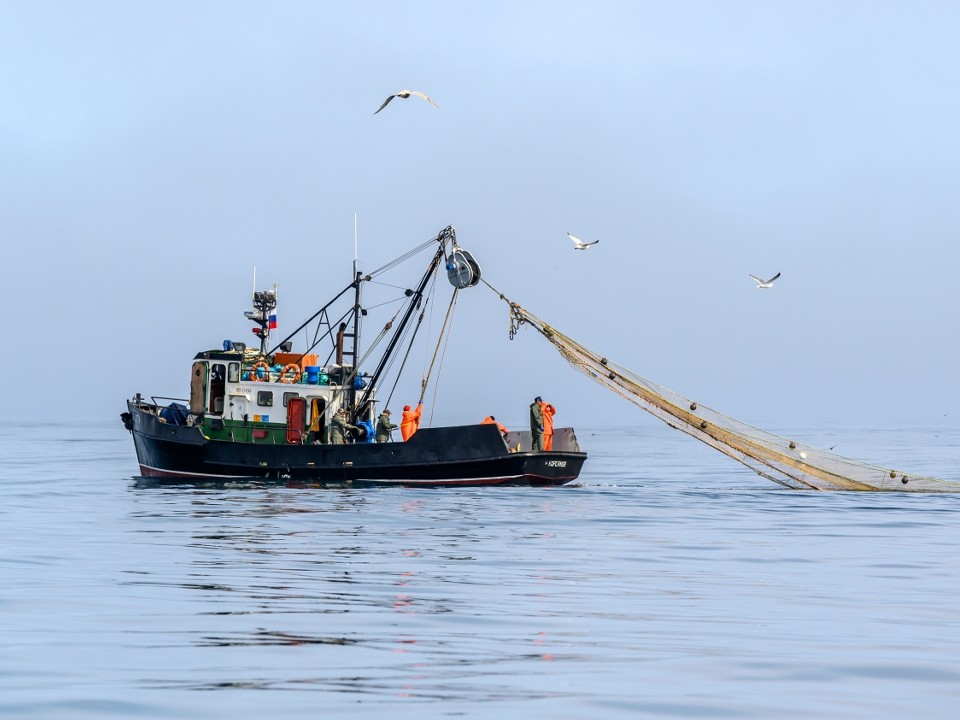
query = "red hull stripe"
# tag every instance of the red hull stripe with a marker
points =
(464, 481)
(147, 471)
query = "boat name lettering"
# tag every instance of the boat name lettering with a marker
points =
(556, 463)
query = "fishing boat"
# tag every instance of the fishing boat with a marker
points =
(267, 412)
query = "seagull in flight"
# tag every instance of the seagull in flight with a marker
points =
(765, 283)
(579, 244)
(405, 94)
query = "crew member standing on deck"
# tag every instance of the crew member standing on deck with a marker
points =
(410, 422)
(385, 428)
(536, 423)
(491, 420)
(548, 412)
(339, 428)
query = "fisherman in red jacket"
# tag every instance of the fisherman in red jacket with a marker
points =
(491, 420)
(548, 412)
(410, 422)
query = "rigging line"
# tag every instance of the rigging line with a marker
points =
(396, 380)
(406, 256)
(406, 355)
(416, 299)
(426, 348)
(383, 333)
(446, 342)
(317, 339)
(387, 285)
(388, 368)
(443, 330)
(347, 382)
(385, 302)
(312, 317)
(403, 258)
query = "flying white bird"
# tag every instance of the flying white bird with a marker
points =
(405, 94)
(578, 244)
(765, 283)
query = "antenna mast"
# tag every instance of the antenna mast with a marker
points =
(264, 305)
(355, 244)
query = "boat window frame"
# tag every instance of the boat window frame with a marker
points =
(217, 390)
(288, 395)
(264, 398)
(233, 372)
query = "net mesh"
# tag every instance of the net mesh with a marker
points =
(784, 461)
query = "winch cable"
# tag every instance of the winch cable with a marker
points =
(396, 379)
(426, 297)
(442, 340)
(426, 348)
(388, 368)
(349, 379)
(406, 256)
(318, 338)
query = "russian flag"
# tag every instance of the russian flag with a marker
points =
(273, 319)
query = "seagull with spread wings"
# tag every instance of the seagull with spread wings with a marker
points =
(765, 283)
(579, 244)
(405, 94)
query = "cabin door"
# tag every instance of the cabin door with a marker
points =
(296, 419)
(218, 385)
(198, 381)
(317, 425)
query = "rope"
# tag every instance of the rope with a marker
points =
(406, 256)
(443, 331)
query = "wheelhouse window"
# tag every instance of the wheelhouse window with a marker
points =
(265, 398)
(287, 396)
(233, 372)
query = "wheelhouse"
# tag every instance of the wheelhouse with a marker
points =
(236, 389)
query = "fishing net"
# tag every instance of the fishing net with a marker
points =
(784, 461)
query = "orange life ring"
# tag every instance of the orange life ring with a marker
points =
(266, 372)
(296, 373)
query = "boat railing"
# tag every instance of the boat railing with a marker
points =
(154, 399)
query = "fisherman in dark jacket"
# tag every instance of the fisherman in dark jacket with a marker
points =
(339, 428)
(385, 428)
(536, 423)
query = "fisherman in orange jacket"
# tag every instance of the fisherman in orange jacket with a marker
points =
(491, 420)
(548, 412)
(410, 422)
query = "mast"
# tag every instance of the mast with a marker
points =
(357, 313)
(264, 302)
(356, 316)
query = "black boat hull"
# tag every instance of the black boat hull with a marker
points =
(470, 455)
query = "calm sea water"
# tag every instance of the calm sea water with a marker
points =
(669, 583)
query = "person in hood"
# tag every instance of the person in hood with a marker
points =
(548, 412)
(410, 422)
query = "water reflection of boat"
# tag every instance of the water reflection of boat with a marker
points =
(267, 413)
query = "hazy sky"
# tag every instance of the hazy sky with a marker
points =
(153, 154)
